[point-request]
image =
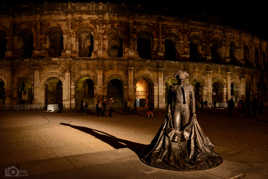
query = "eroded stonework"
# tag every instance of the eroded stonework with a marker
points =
(103, 42)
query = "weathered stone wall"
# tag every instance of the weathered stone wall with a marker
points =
(105, 22)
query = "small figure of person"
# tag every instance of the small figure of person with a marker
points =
(104, 102)
(99, 104)
(230, 107)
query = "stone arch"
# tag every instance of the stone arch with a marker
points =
(115, 45)
(235, 90)
(111, 75)
(198, 84)
(24, 91)
(144, 92)
(195, 48)
(170, 49)
(218, 92)
(145, 44)
(246, 54)
(85, 39)
(3, 43)
(23, 42)
(43, 84)
(55, 41)
(115, 90)
(53, 88)
(215, 46)
(85, 92)
(232, 53)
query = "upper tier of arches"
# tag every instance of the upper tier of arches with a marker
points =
(106, 34)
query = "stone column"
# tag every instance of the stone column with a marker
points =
(8, 52)
(37, 88)
(72, 95)
(242, 91)
(156, 102)
(209, 88)
(224, 93)
(229, 85)
(36, 40)
(99, 88)
(67, 91)
(161, 91)
(131, 86)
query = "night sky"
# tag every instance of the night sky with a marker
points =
(249, 16)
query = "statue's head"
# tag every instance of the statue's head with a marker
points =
(181, 76)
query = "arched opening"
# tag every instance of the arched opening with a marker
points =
(248, 91)
(27, 37)
(217, 93)
(55, 38)
(116, 47)
(84, 93)
(3, 44)
(246, 56)
(144, 94)
(53, 91)
(194, 53)
(144, 45)
(257, 56)
(25, 91)
(233, 59)
(234, 91)
(170, 50)
(263, 59)
(215, 55)
(2, 92)
(86, 44)
(198, 89)
(116, 91)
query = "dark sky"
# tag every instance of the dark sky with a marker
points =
(250, 16)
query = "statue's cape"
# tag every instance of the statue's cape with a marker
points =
(194, 151)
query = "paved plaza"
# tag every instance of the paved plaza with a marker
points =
(77, 145)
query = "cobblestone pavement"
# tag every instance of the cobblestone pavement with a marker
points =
(77, 145)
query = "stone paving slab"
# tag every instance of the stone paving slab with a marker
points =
(46, 149)
(121, 163)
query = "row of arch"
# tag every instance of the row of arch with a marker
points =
(85, 91)
(23, 47)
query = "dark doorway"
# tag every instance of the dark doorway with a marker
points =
(198, 95)
(215, 56)
(27, 37)
(194, 54)
(115, 91)
(144, 46)
(3, 44)
(86, 44)
(25, 91)
(217, 93)
(53, 91)
(2, 92)
(55, 42)
(170, 50)
(84, 93)
(116, 47)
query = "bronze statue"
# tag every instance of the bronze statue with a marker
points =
(180, 143)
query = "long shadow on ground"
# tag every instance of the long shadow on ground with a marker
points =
(113, 141)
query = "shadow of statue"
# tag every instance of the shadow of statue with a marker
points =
(113, 141)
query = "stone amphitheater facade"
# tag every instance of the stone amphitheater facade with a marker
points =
(114, 47)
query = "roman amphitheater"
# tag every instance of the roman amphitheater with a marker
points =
(68, 53)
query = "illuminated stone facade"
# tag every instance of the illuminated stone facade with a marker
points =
(112, 47)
